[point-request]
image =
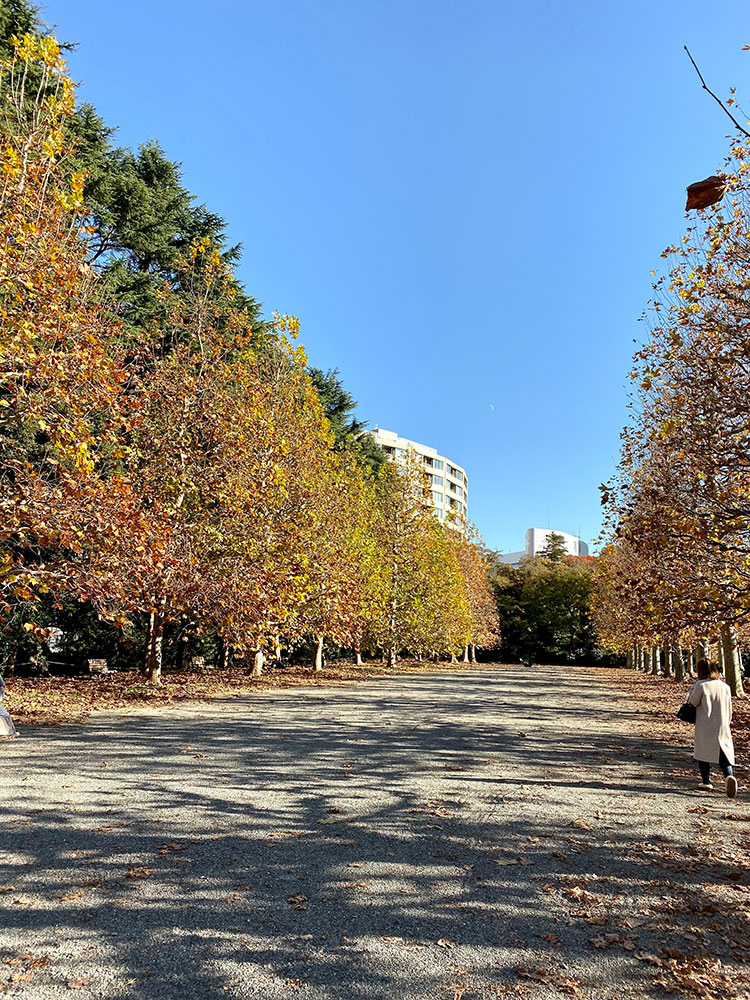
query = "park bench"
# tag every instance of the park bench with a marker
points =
(98, 667)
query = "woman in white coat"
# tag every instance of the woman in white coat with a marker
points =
(713, 713)
(7, 729)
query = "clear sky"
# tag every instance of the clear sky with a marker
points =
(461, 199)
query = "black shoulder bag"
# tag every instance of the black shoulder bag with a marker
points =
(686, 712)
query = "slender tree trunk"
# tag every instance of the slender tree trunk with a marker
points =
(466, 653)
(226, 655)
(679, 665)
(453, 657)
(732, 659)
(630, 655)
(357, 655)
(691, 663)
(435, 657)
(703, 649)
(390, 656)
(720, 650)
(655, 661)
(258, 660)
(318, 657)
(669, 660)
(472, 653)
(277, 649)
(184, 658)
(153, 658)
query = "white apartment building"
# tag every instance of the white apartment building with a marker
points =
(536, 542)
(448, 481)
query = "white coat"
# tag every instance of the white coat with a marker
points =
(6, 723)
(713, 713)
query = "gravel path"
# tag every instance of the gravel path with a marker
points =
(425, 836)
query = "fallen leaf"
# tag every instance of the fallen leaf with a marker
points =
(78, 983)
(139, 871)
(446, 943)
(551, 938)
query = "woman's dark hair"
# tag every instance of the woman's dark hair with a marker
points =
(706, 669)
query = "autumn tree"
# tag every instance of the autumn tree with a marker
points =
(63, 407)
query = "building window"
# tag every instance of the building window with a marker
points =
(437, 464)
(437, 497)
(427, 461)
(437, 480)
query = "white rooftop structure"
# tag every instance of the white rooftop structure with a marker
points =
(536, 542)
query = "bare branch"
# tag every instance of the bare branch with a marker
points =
(717, 99)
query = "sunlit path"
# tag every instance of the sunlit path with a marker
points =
(407, 838)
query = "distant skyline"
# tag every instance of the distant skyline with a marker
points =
(462, 202)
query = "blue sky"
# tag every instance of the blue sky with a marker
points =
(462, 200)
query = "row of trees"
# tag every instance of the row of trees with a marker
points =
(166, 457)
(676, 572)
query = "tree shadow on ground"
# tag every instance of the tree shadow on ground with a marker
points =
(398, 839)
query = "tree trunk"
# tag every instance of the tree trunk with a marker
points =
(732, 659)
(390, 656)
(277, 649)
(703, 649)
(466, 653)
(679, 665)
(472, 653)
(629, 657)
(691, 663)
(669, 660)
(183, 658)
(720, 651)
(453, 657)
(226, 655)
(655, 661)
(258, 660)
(318, 658)
(153, 658)
(435, 657)
(357, 655)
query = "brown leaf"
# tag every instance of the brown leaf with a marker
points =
(551, 938)
(446, 943)
(703, 194)
(73, 894)
(139, 871)
(78, 983)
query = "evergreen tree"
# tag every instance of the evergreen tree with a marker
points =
(348, 431)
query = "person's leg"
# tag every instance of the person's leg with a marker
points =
(731, 781)
(705, 769)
